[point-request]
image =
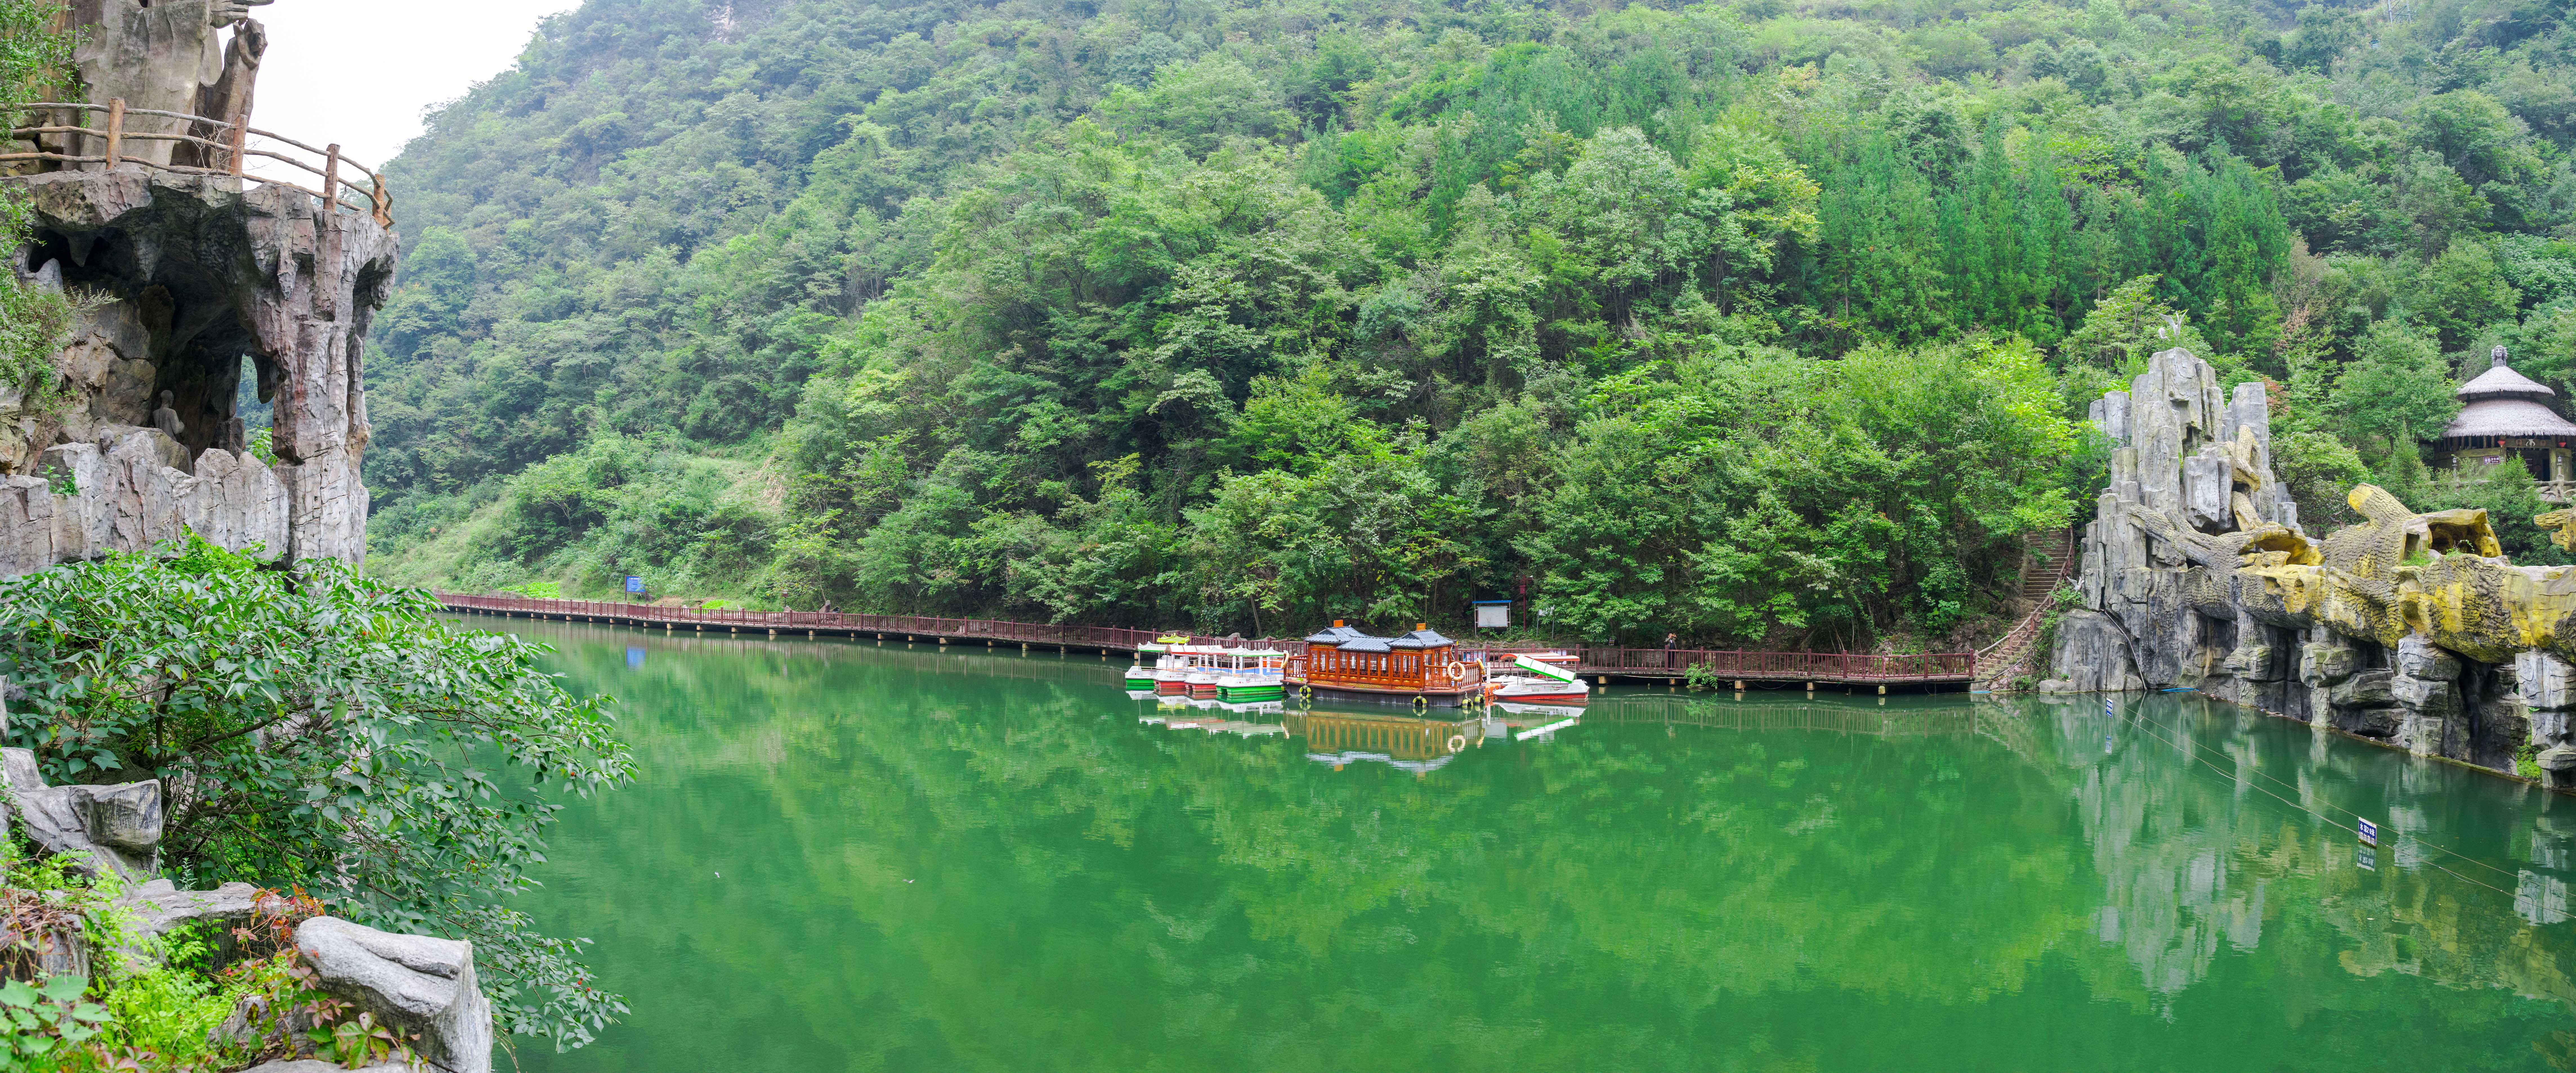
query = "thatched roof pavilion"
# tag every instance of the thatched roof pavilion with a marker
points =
(2507, 413)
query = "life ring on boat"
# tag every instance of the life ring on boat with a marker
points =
(1457, 671)
(1421, 703)
(1305, 692)
(1457, 742)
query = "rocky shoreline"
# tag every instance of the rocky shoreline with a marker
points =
(2408, 629)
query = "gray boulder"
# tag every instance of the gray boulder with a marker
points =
(2092, 656)
(2419, 658)
(102, 828)
(2558, 767)
(2430, 698)
(2383, 723)
(414, 983)
(2324, 664)
(2366, 689)
(159, 906)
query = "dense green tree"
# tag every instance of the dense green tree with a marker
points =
(2396, 387)
(1052, 310)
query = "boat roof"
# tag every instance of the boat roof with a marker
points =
(1367, 644)
(1422, 639)
(1331, 635)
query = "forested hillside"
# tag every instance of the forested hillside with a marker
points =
(1762, 322)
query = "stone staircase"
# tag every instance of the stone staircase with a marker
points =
(2047, 560)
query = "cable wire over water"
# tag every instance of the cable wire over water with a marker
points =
(2149, 728)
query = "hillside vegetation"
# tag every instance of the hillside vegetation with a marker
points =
(1764, 323)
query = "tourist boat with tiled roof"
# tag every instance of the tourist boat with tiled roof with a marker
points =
(1418, 667)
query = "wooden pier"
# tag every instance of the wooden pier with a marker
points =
(1599, 662)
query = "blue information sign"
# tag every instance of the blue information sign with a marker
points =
(634, 584)
(2369, 831)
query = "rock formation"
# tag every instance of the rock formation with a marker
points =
(416, 984)
(163, 56)
(423, 987)
(100, 828)
(193, 272)
(2409, 628)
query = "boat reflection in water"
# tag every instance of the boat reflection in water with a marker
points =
(1406, 743)
(1251, 720)
(1340, 738)
(1546, 712)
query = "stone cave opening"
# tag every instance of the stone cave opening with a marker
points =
(170, 325)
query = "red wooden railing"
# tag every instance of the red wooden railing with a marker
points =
(1595, 660)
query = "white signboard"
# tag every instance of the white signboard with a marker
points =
(1493, 616)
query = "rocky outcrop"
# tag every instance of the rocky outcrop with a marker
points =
(2545, 688)
(2092, 650)
(416, 984)
(99, 828)
(160, 906)
(194, 273)
(2409, 628)
(423, 987)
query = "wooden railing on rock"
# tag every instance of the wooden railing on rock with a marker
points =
(1599, 661)
(228, 150)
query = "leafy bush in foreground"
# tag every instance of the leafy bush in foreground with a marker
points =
(313, 729)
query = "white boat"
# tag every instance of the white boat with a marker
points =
(1535, 678)
(1251, 675)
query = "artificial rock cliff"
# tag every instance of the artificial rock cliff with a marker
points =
(2408, 628)
(186, 275)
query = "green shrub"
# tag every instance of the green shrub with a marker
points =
(258, 684)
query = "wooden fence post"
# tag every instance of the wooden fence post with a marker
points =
(241, 144)
(115, 130)
(331, 178)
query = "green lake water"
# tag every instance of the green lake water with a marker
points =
(841, 856)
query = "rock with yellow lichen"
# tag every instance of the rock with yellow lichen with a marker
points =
(2409, 627)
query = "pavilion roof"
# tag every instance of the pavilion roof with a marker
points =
(2501, 382)
(2508, 417)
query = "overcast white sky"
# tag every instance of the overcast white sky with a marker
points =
(358, 72)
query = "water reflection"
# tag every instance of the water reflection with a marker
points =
(1341, 738)
(1674, 882)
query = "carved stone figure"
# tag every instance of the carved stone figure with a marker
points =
(167, 418)
(159, 55)
(230, 98)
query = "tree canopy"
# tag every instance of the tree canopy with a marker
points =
(1761, 323)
